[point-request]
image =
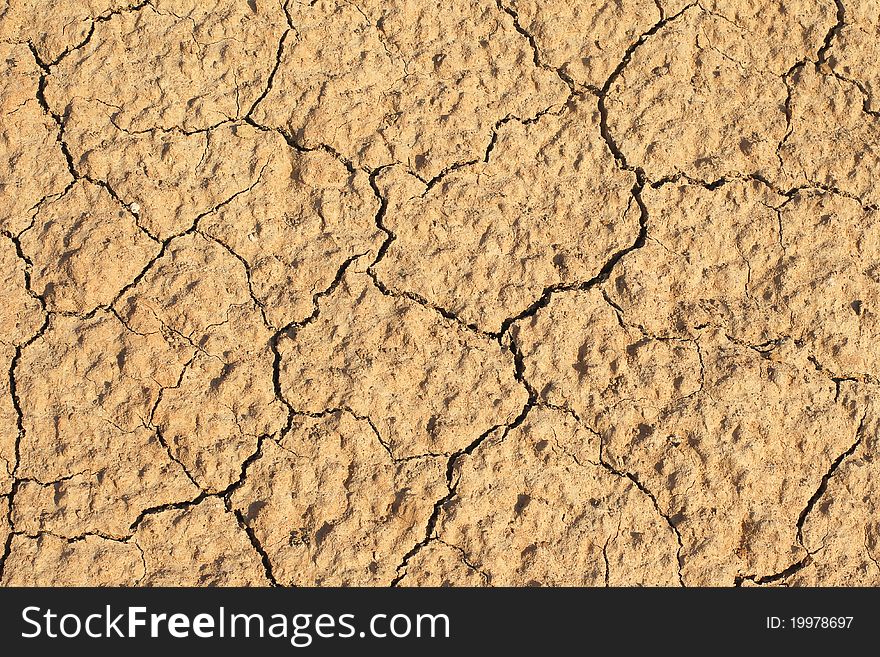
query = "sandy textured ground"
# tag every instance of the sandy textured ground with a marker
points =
(420, 293)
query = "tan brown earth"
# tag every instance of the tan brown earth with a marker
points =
(502, 292)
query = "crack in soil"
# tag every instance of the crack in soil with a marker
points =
(822, 53)
(506, 336)
(805, 513)
(451, 482)
(647, 493)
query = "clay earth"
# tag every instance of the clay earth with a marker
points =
(485, 292)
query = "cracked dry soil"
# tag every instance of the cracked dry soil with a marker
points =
(416, 293)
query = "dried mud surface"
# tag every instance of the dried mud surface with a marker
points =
(501, 292)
